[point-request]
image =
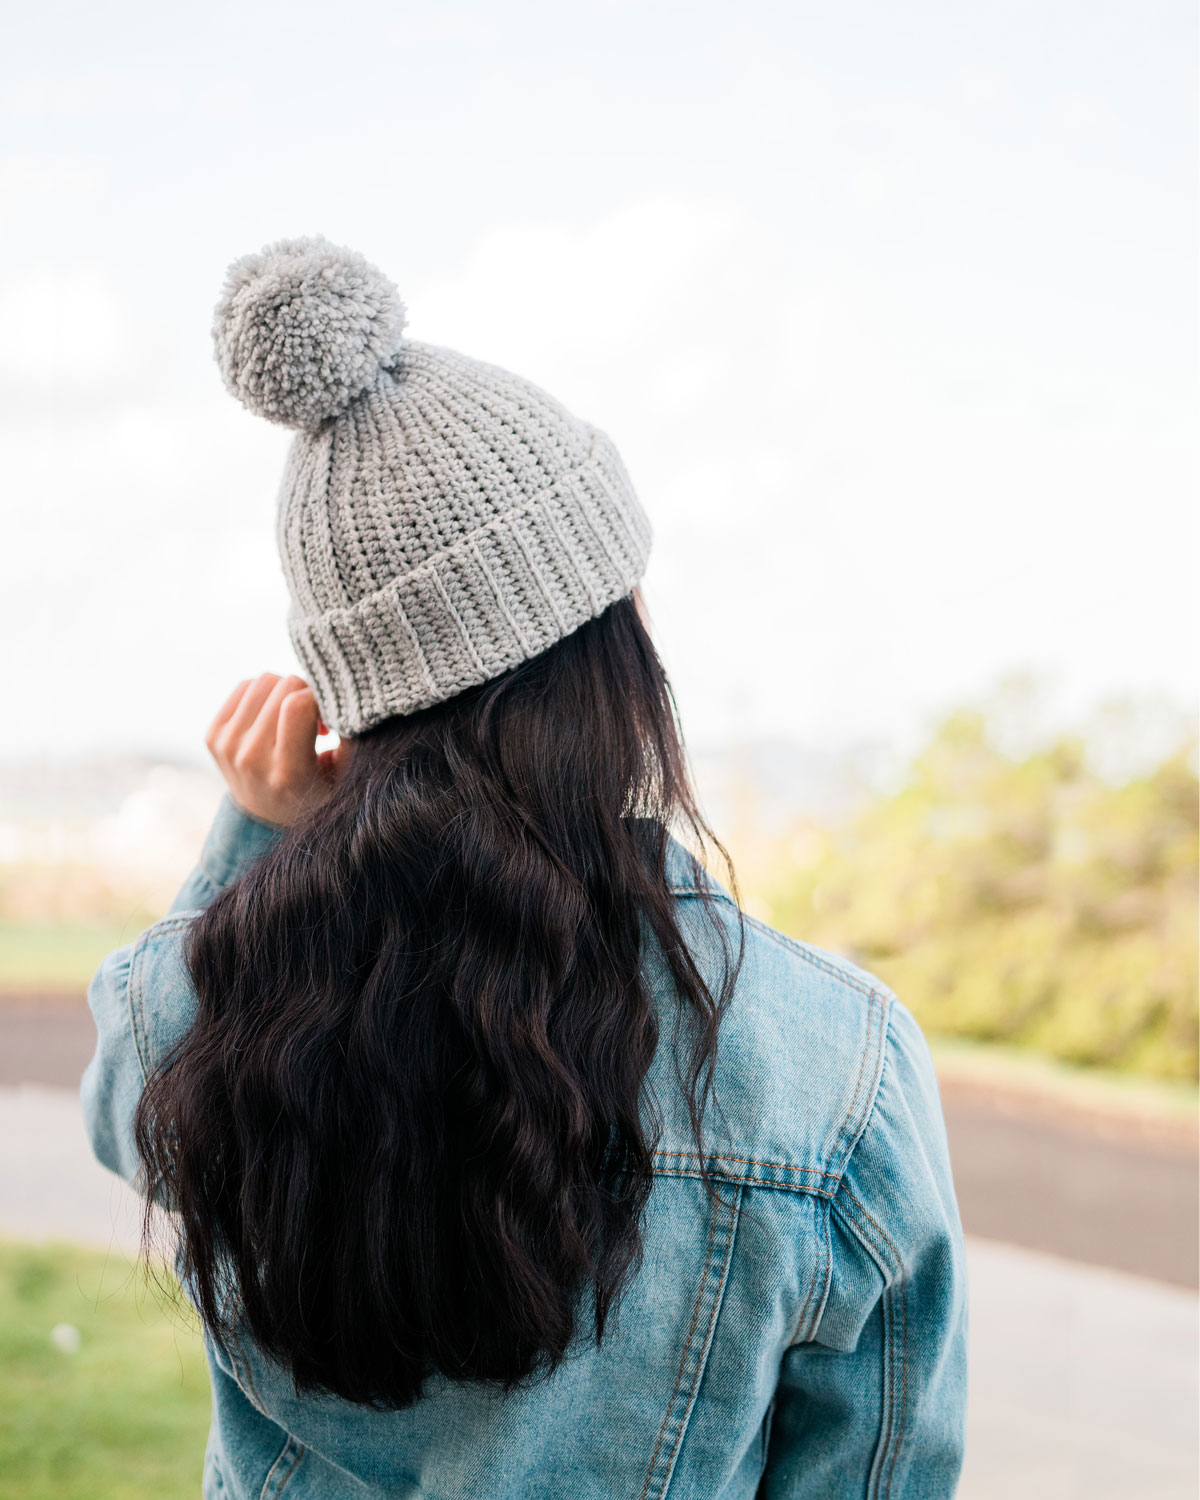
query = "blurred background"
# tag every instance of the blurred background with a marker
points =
(891, 311)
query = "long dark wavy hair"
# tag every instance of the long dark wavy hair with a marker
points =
(405, 1133)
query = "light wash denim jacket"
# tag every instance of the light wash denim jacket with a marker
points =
(804, 1337)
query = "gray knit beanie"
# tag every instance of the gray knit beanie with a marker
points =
(440, 519)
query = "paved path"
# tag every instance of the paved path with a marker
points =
(44, 1041)
(1083, 1380)
(1024, 1174)
(1087, 1190)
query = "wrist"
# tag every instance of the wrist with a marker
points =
(236, 840)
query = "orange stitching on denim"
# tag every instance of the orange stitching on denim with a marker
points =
(883, 1234)
(279, 1458)
(809, 957)
(242, 1373)
(890, 1354)
(902, 1284)
(253, 1392)
(782, 939)
(234, 1366)
(733, 1204)
(301, 1450)
(889, 1322)
(903, 1378)
(749, 1161)
(683, 1356)
(903, 1385)
(266, 1492)
(877, 1078)
(770, 1182)
(862, 1068)
(885, 1016)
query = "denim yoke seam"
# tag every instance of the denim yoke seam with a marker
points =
(681, 1401)
(879, 1002)
(280, 1474)
(751, 1161)
(850, 1128)
(846, 1135)
(883, 1251)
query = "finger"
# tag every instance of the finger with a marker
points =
(259, 739)
(226, 710)
(296, 733)
(246, 713)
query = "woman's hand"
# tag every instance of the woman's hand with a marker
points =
(264, 742)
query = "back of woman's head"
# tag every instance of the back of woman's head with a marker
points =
(408, 1131)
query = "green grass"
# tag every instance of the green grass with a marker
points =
(56, 956)
(124, 1418)
(1103, 1091)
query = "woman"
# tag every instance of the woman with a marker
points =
(506, 1157)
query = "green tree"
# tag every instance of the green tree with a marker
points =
(1022, 899)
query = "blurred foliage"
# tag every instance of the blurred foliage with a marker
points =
(71, 891)
(58, 920)
(49, 958)
(1020, 899)
(122, 1410)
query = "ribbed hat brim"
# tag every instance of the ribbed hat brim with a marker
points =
(500, 595)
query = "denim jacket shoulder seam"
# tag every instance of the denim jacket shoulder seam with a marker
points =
(874, 1054)
(849, 1129)
(875, 991)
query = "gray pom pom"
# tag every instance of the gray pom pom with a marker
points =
(303, 327)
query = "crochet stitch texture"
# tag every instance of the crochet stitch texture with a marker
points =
(440, 519)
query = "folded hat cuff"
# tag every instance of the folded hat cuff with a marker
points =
(500, 595)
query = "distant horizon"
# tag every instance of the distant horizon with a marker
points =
(1158, 723)
(891, 313)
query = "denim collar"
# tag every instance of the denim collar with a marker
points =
(686, 874)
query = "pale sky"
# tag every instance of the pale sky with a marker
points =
(891, 310)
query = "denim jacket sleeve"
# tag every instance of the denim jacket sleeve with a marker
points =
(880, 1389)
(130, 1035)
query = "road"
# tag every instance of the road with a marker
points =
(1091, 1191)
